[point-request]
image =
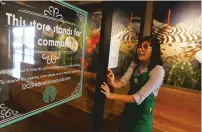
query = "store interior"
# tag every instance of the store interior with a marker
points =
(176, 24)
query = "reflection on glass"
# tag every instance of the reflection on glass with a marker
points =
(29, 32)
(17, 32)
(17, 58)
(23, 47)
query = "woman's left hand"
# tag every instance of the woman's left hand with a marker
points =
(105, 89)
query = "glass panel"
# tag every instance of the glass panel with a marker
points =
(29, 32)
(17, 32)
(47, 43)
(126, 25)
(16, 65)
(28, 59)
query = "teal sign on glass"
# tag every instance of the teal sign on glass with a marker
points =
(42, 48)
(49, 94)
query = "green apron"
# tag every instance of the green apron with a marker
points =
(138, 118)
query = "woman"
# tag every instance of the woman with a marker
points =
(145, 75)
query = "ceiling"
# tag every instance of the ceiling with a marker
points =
(79, 3)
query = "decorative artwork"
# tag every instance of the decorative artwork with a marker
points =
(125, 31)
(49, 94)
(6, 112)
(180, 45)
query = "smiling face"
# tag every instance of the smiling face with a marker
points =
(144, 52)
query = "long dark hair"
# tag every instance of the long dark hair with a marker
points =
(155, 55)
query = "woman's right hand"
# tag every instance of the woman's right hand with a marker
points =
(110, 77)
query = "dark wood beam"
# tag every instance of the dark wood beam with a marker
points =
(103, 57)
